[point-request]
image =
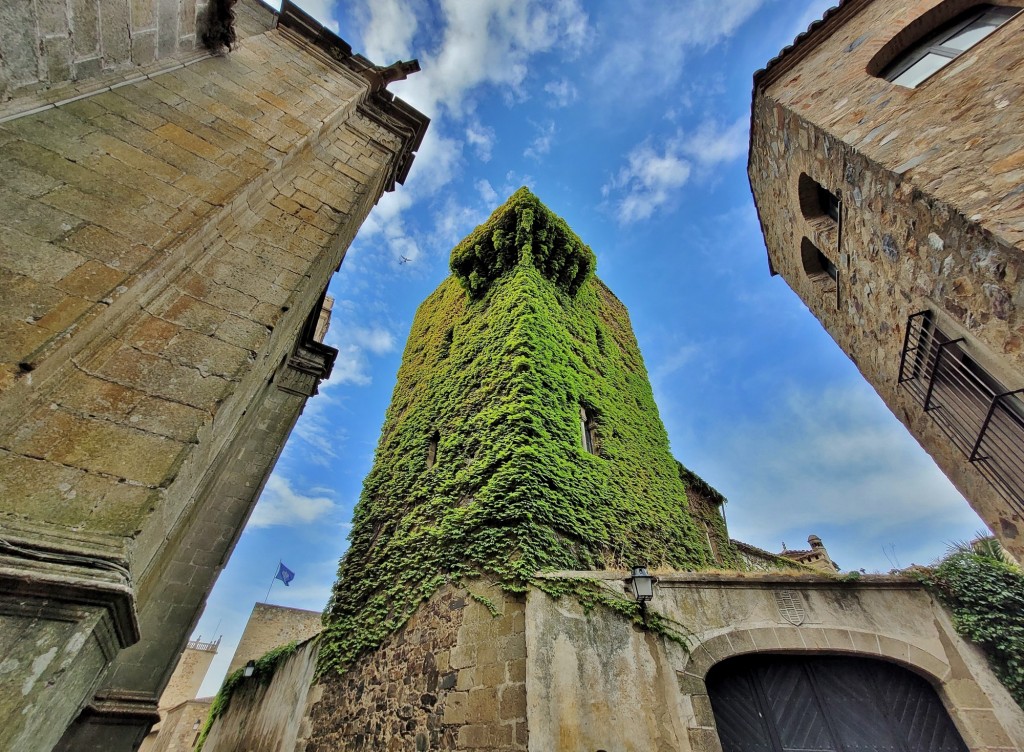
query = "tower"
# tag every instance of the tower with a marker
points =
(522, 436)
(886, 165)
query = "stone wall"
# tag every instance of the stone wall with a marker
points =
(595, 682)
(267, 716)
(933, 214)
(546, 676)
(453, 678)
(163, 245)
(271, 626)
(57, 50)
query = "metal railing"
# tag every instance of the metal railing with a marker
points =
(983, 419)
(208, 647)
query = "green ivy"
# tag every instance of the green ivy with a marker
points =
(500, 359)
(986, 595)
(264, 671)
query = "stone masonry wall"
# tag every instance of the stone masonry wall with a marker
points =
(162, 245)
(270, 627)
(452, 679)
(54, 50)
(933, 213)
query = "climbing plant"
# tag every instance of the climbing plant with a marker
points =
(263, 672)
(481, 469)
(985, 593)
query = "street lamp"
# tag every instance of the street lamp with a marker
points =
(250, 667)
(642, 585)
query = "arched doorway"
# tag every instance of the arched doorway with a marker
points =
(788, 703)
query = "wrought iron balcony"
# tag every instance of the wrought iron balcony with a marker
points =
(981, 417)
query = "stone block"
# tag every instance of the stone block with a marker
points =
(208, 354)
(57, 54)
(114, 34)
(97, 446)
(101, 244)
(474, 736)
(36, 259)
(170, 419)
(97, 397)
(456, 707)
(70, 310)
(704, 740)
(483, 703)
(92, 280)
(86, 20)
(512, 702)
(462, 656)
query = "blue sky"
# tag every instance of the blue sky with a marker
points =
(630, 120)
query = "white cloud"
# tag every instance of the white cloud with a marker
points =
(541, 145)
(388, 30)
(647, 181)
(652, 176)
(487, 193)
(376, 339)
(712, 143)
(481, 138)
(563, 92)
(490, 42)
(280, 504)
(646, 64)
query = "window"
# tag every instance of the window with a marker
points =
(432, 449)
(588, 429)
(817, 201)
(936, 50)
(817, 265)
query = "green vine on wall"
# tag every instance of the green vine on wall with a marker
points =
(263, 672)
(985, 592)
(500, 359)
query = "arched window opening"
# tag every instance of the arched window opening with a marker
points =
(588, 430)
(817, 201)
(432, 449)
(817, 703)
(910, 60)
(817, 265)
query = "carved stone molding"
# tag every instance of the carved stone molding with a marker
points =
(302, 371)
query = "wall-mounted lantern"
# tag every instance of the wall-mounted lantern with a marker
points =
(641, 583)
(249, 669)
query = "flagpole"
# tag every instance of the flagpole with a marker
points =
(267, 598)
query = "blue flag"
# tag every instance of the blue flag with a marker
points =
(284, 574)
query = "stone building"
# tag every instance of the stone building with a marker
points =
(171, 218)
(182, 688)
(484, 605)
(270, 626)
(887, 163)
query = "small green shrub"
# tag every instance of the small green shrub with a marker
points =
(986, 595)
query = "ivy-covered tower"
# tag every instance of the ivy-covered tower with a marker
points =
(522, 436)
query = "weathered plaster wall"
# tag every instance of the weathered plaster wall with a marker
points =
(267, 717)
(933, 212)
(588, 675)
(270, 626)
(453, 678)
